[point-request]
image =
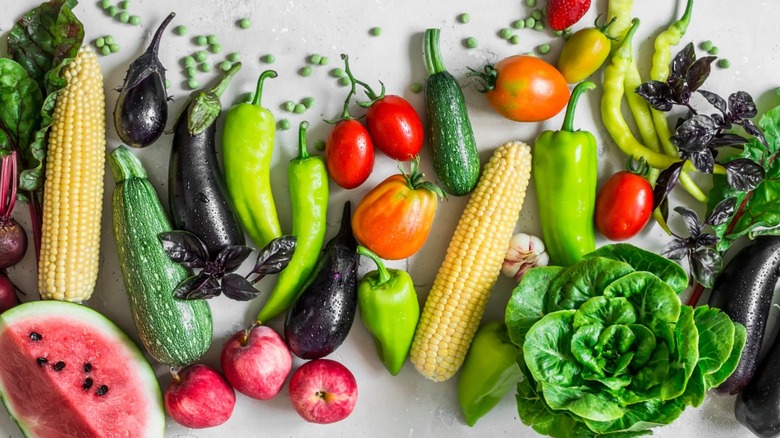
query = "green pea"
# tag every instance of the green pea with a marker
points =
(193, 84)
(558, 33)
(124, 17)
(112, 10)
(269, 59)
(247, 97)
(308, 102)
(707, 45)
(530, 3)
(724, 63)
(167, 84)
(215, 48)
(201, 40)
(319, 145)
(190, 72)
(505, 33)
(105, 4)
(470, 42)
(543, 49)
(289, 106)
(714, 50)
(514, 40)
(124, 4)
(105, 50)
(244, 23)
(113, 48)
(375, 31)
(299, 108)
(416, 87)
(284, 124)
(109, 39)
(100, 42)
(135, 20)
(205, 67)
(324, 60)
(537, 14)
(518, 24)
(188, 61)
(225, 65)
(180, 30)
(530, 22)
(337, 72)
(234, 57)
(315, 59)
(345, 81)
(211, 39)
(305, 71)
(201, 56)
(464, 18)
(539, 26)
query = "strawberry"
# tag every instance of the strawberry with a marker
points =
(564, 13)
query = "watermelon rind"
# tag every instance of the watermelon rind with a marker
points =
(57, 309)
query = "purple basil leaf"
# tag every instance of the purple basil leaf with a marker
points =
(681, 93)
(695, 133)
(657, 94)
(744, 174)
(238, 288)
(197, 287)
(707, 240)
(715, 100)
(742, 106)
(720, 121)
(677, 249)
(699, 72)
(753, 130)
(727, 140)
(691, 220)
(706, 263)
(722, 212)
(275, 256)
(665, 183)
(703, 161)
(230, 258)
(682, 62)
(185, 248)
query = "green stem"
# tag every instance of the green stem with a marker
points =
(303, 152)
(259, 93)
(568, 121)
(384, 275)
(225, 81)
(353, 89)
(432, 52)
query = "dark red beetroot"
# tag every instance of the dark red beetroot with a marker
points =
(13, 239)
(8, 297)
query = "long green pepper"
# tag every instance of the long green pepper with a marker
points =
(308, 181)
(565, 170)
(247, 148)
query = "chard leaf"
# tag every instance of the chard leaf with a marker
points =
(641, 260)
(547, 350)
(20, 105)
(526, 305)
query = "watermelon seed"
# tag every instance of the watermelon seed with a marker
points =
(42, 361)
(59, 366)
(102, 390)
(87, 384)
(35, 336)
(87, 367)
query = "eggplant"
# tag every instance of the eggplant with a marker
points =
(744, 291)
(758, 405)
(141, 111)
(196, 187)
(320, 318)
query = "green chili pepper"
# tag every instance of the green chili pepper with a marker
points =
(489, 371)
(247, 147)
(620, 11)
(308, 183)
(390, 310)
(565, 169)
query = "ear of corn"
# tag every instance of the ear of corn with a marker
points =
(73, 190)
(463, 284)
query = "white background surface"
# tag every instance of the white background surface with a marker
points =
(408, 404)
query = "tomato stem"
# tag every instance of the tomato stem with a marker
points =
(352, 90)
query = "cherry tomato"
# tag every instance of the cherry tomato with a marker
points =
(349, 154)
(394, 219)
(583, 54)
(527, 89)
(395, 127)
(623, 206)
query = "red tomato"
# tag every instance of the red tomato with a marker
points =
(349, 154)
(623, 206)
(393, 220)
(395, 127)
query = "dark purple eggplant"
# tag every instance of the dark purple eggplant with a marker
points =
(196, 187)
(320, 318)
(744, 292)
(141, 111)
(758, 405)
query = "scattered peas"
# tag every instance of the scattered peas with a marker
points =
(234, 57)
(225, 65)
(135, 20)
(109, 39)
(167, 83)
(514, 40)
(539, 26)
(124, 4)
(375, 31)
(100, 42)
(345, 81)
(215, 48)
(566, 35)
(464, 18)
(530, 22)
(416, 87)
(337, 72)
(205, 67)
(211, 39)
(112, 10)
(289, 106)
(724, 63)
(518, 24)
(180, 30)
(105, 4)
(201, 40)
(470, 42)
(188, 61)
(558, 33)
(105, 50)
(505, 33)
(269, 59)
(124, 17)
(537, 14)
(190, 72)
(244, 23)
(247, 97)
(530, 3)
(319, 145)
(299, 108)
(308, 102)
(714, 50)
(201, 56)
(543, 49)
(284, 124)
(315, 59)
(305, 71)
(324, 60)
(193, 83)
(707, 45)
(113, 48)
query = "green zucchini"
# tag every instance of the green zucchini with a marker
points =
(174, 332)
(450, 136)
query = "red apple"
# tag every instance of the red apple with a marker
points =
(199, 397)
(256, 362)
(323, 391)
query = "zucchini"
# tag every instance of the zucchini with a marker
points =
(174, 332)
(450, 136)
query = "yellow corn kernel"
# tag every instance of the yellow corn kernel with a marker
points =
(73, 191)
(457, 300)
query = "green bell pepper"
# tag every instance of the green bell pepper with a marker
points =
(390, 310)
(565, 170)
(308, 184)
(247, 147)
(489, 371)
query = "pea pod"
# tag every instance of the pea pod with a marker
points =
(489, 372)
(247, 147)
(390, 310)
(565, 170)
(308, 181)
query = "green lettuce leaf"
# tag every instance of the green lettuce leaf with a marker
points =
(639, 417)
(716, 338)
(668, 271)
(727, 369)
(583, 402)
(526, 305)
(547, 350)
(605, 311)
(684, 355)
(583, 281)
(20, 103)
(655, 301)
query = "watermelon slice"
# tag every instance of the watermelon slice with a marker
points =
(67, 371)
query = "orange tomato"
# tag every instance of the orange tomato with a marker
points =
(394, 219)
(527, 89)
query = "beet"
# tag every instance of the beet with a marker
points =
(13, 242)
(8, 297)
